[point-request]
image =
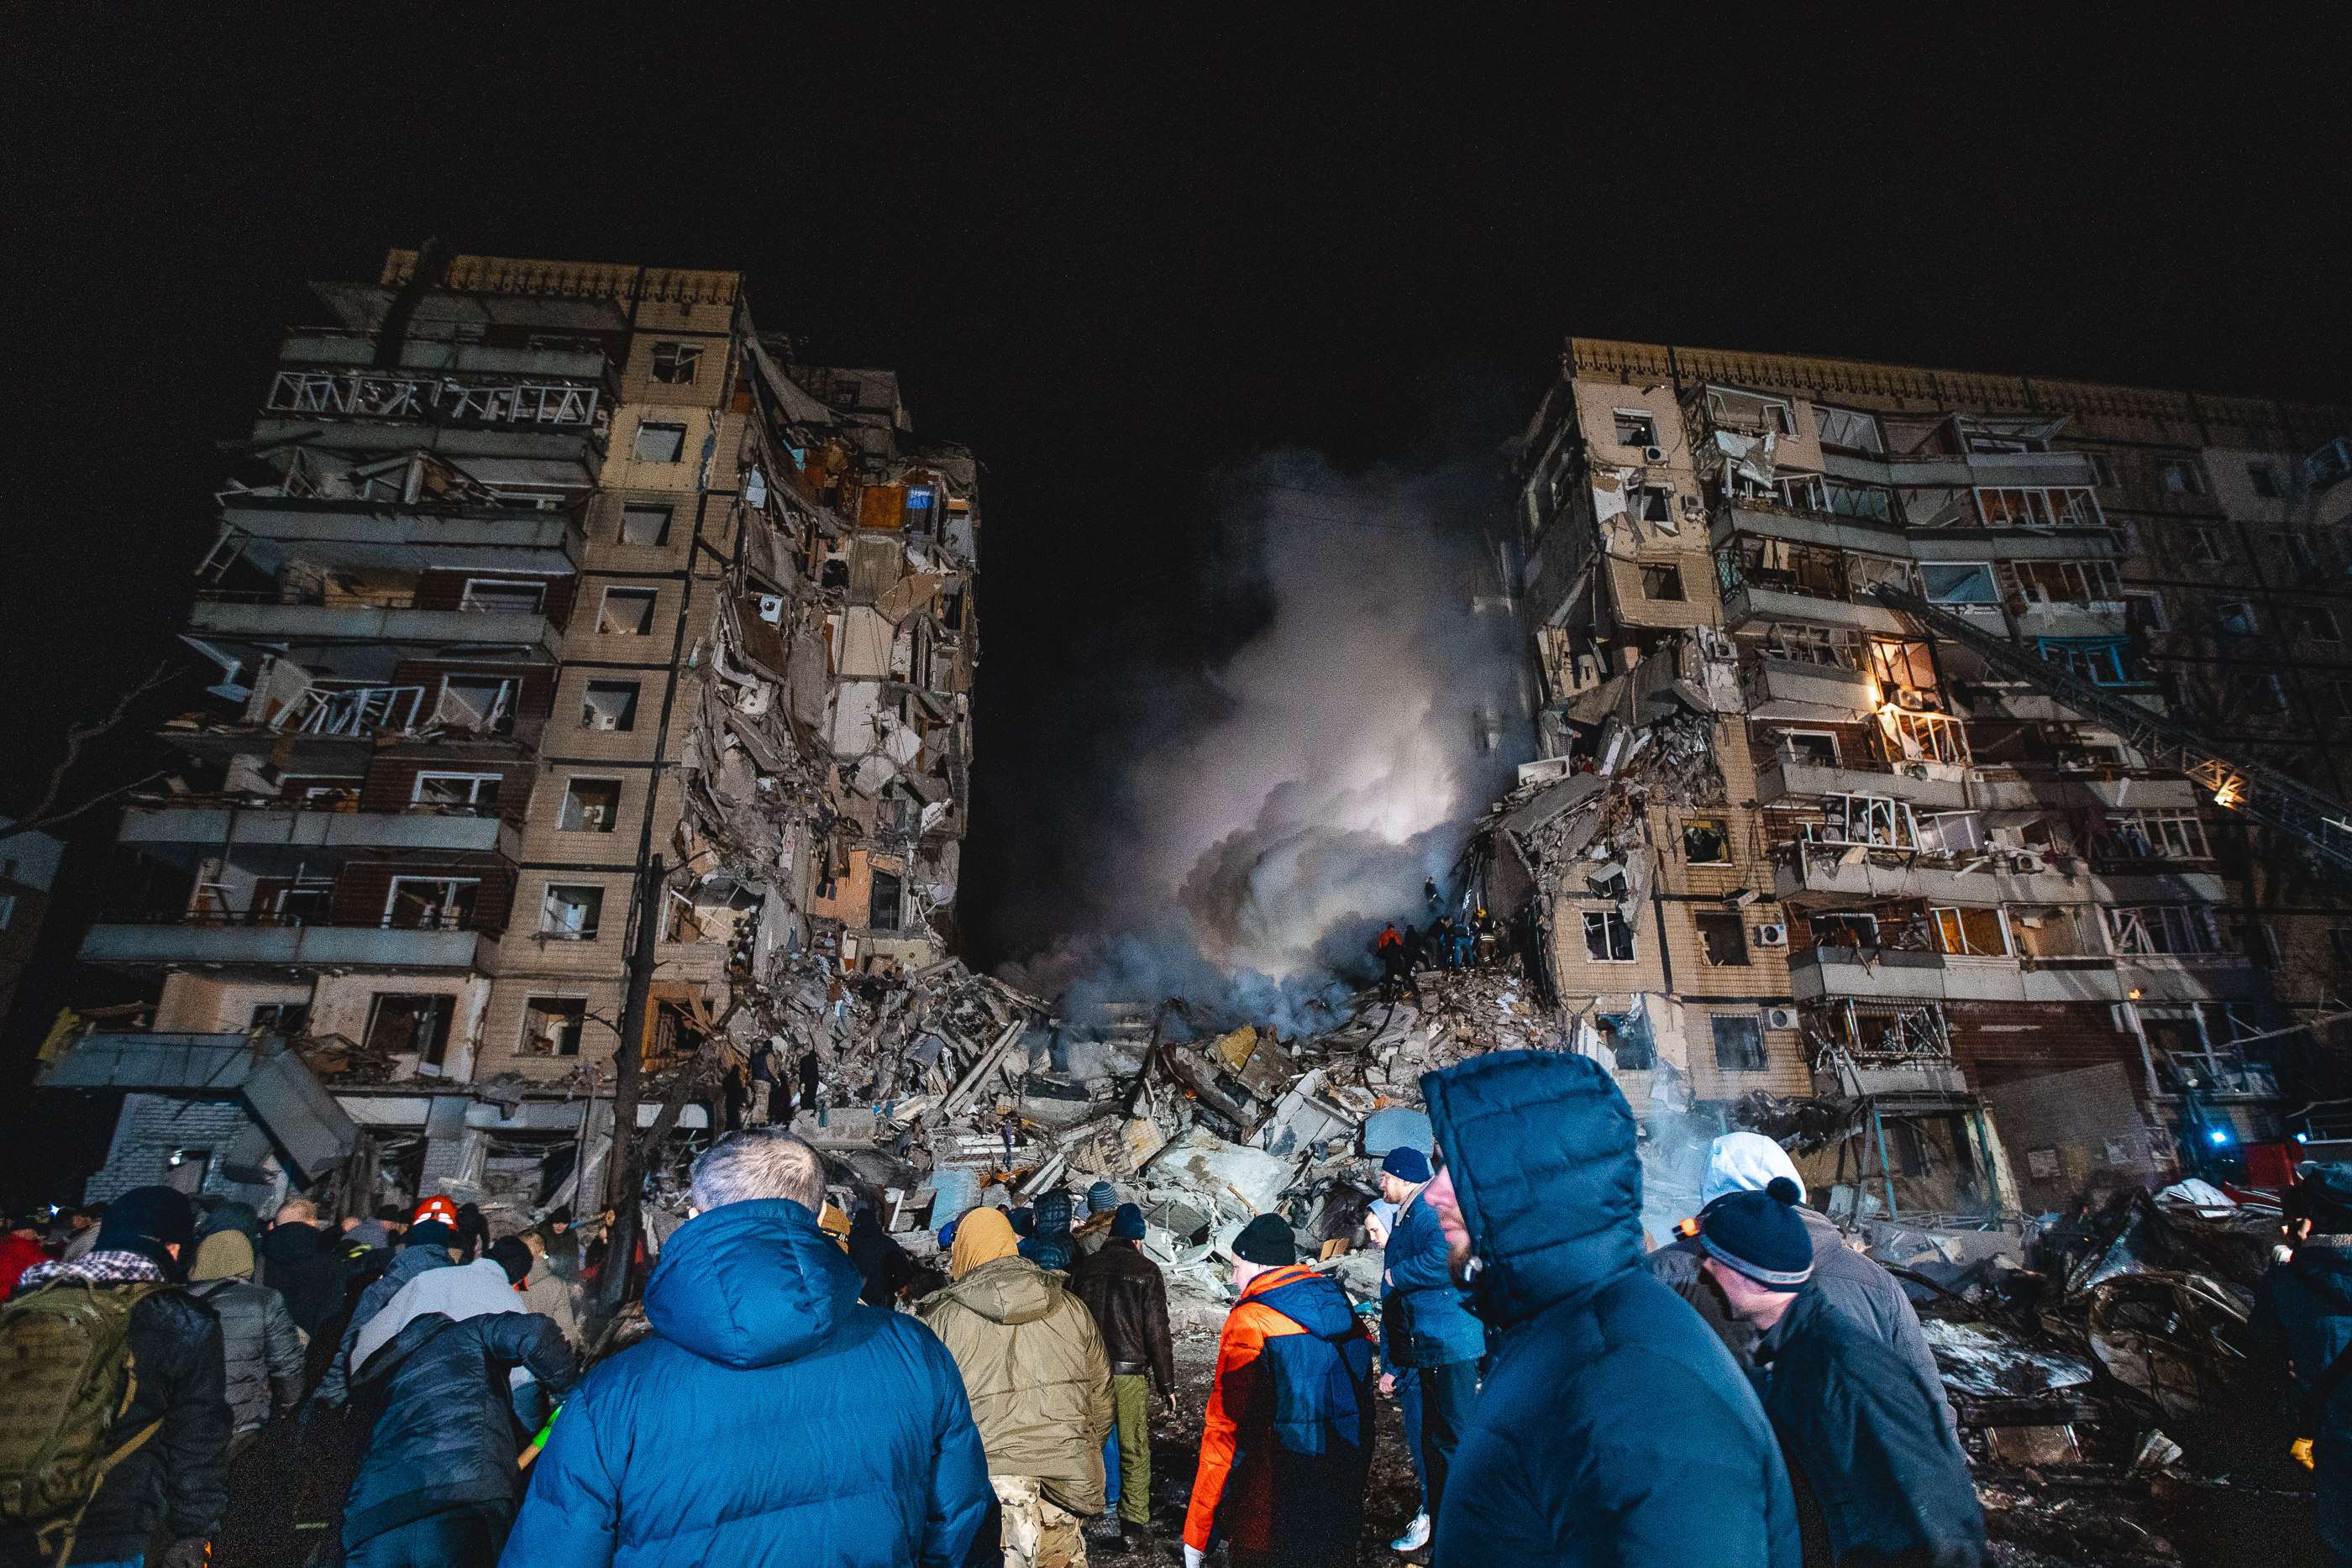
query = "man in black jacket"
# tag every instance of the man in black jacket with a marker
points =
(304, 1264)
(1125, 1292)
(1875, 1468)
(439, 1483)
(178, 1478)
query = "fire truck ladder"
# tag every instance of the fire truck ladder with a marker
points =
(2320, 823)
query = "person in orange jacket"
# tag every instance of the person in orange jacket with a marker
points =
(1287, 1490)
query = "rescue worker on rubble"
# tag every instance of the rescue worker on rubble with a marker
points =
(1878, 1472)
(1389, 949)
(768, 1416)
(1481, 931)
(1429, 893)
(1128, 1298)
(1039, 1380)
(1462, 939)
(1425, 1328)
(1850, 1282)
(1286, 1446)
(1614, 1428)
(2302, 1321)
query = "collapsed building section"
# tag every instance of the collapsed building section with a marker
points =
(569, 631)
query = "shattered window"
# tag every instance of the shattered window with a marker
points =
(2069, 581)
(1739, 1044)
(2235, 615)
(660, 443)
(626, 612)
(2210, 547)
(491, 597)
(1851, 498)
(675, 362)
(1750, 412)
(403, 1025)
(1636, 429)
(2097, 660)
(609, 704)
(1810, 748)
(644, 525)
(2163, 928)
(2168, 835)
(1855, 431)
(551, 1025)
(462, 794)
(591, 806)
(2180, 476)
(1707, 841)
(1968, 583)
(1879, 821)
(430, 902)
(1723, 938)
(1971, 933)
(1952, 833)
(1844, 930)
(1608, 938)
(568, 914)
(1662, 582)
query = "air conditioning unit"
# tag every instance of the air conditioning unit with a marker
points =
(601, 720)
(771, 608)
(1653, 454)
(1779, 1018)
(1693, 505)
(1771, 936)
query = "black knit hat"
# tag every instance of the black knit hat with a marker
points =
(509, 1253)
(1758, 1234)
(148, 1219)
(429, 1233)
(1126, 1223)
(1267, 1240)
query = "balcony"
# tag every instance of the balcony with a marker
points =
(177, 939)
(281, 618)
(1886, 973)
(1823, 876)
(1822, 693)
(270, 530)
(2094, 619)
(1752, 602)
(328, 347)
(1783, 780)
(262, 824)
(496, 420)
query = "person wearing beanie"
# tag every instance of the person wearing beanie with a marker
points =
(176, 1479)
(262, 1349)
(1090, 1233)
(430, 1242)
(1879, 1477)
(1403, 1383)
(2302, 1325)
(1293, 1494)
(1049, 1244)
(1848, 1281)
(1039, 1379)
(1128, 1298)
(1611, 1426)
(1425, 1331)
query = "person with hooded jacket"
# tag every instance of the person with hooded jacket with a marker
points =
(1846, 1280)
(2302, 1321)
(768, 1417)
(1039, 1380)
(1604, 1381)
(178, 1479)
(1049, 1244)
(1286, 1446)
(1128, 1298)
(262, 1354)
(437, 1487)
(427, 1244)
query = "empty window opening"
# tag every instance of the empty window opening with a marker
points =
(1707, 841)
(1723, 938)
(1808, 748)
(401, 1025)
(569, 913)
(1844, 930)
(2180, 477)
(2069, 582)
(1626, 1037)
(1880, 821)
(1971, 933)
(660, 443)
(458, 794)
(1657, 503)
(1634, 429)
(1608, 938)
(2254, 692)
(592, 805)
(431, 902)
(626, 612)
(674, 363)
(484, 703)
(281, 1018)
(882, 912)
(2319, 624)
(492, 596)
(552, 1025)
(644, 525)
(2210, 547)
(2302, 558)
(2006, 507)
(2163, 928)
(1739, 1044)
(2264, 480)
(2103, 470)
(1662, 582)
(609, 704)
(2236, 616)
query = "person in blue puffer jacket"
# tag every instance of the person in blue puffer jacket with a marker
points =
(770, 1418)
(1613, 1426)
(1426, 1329)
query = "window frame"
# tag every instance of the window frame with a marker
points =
(572, 781)
(2187, 471)
(442, 921)
(661, 535)
(1952, 922)
(594, 919)
(657, 427)
(1754, 1055)
(1606, 953)
(1620, 417)
(474, 803)
(1991, 598)
(1878, 443)
(537, 587)
(683, 354)
(629, 594)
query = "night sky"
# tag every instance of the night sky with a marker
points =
(1116, 262)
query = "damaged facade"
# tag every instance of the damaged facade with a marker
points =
(549, 599)
(1789, 839)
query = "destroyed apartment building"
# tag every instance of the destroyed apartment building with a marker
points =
(1805, 861)
(552, 606)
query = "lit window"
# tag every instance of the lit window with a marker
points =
(1608, 939)
(1971, 933)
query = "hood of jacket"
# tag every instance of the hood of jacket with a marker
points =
(751, 1284)
(2326, 1270)
(1007, 1290)
(293, 1243)
(1312, 1300)
(1541, 1147)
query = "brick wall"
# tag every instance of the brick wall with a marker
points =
(1995, 1042)
(150, 1127)
(2089, 1123)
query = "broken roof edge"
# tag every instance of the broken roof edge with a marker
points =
(588, 279)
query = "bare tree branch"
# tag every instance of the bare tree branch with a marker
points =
(46, 814)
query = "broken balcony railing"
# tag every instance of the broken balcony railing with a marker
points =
(218, 915)
(356, 394)
(358, 710)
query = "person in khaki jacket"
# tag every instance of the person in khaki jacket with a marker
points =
(1039, 1380)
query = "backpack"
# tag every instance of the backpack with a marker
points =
(65, 1377)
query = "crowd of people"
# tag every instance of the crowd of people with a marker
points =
(1751, 1392)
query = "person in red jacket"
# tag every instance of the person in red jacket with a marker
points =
(20, 1251)
(1288, 1446)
